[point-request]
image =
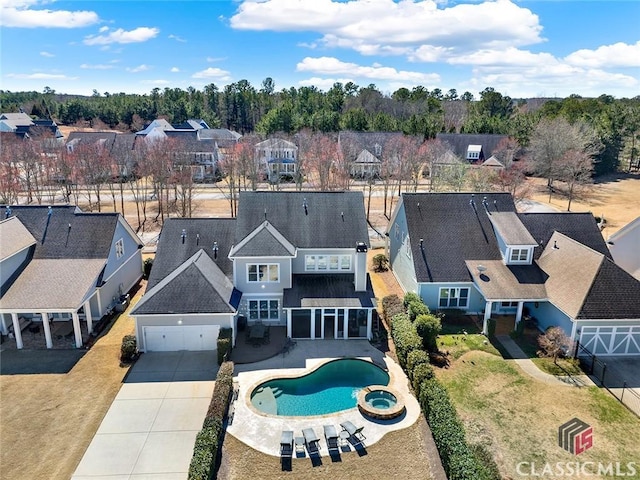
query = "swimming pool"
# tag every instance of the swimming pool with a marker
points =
(331, 388)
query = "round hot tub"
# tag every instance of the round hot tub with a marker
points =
(380, 402)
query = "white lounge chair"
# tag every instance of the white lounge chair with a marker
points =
(353, 431)
(286, 443)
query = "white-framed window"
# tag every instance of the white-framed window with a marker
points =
(323, 263)
(519, 254)
(119, 248)
(263, 272)
(509, 304)
(408, 245)
(263, 309)
(454, 298)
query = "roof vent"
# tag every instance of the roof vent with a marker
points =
(481, 269)
(49, 210)
(215, 250)
(265, 213)
(197, 239)
(184, 235)
(342, 215)
(472, 202)
(7, 213)
(555, 245)
(305, 205)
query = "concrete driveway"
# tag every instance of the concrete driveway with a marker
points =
(151, 426)
(624, 372)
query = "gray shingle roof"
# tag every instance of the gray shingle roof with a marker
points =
(452, 231)
(508, 282)
(459, 142)
(511, 229)
(337, 291)
(67, 233)
(196, 286)
(582, 227)
(333, 219)
(15, 237)
(201, 233)
(265, 241)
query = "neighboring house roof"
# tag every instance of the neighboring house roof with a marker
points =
(15, 237)
(53, 284)
(264, 241)
(460, 142)
(16, 118)
(453, 230)
(625, 247)
(160, 124)
(581, 227)
(309, 291)
(276, 143)
(511, 229)
(492, 162)
(585, 284)
(367, 157)
(196, 286)
(68, 232)
(329, 220)
(223, 136)
(21, 124)
(201, 234)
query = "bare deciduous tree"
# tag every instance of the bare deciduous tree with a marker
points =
(575, 171)
(554, 343)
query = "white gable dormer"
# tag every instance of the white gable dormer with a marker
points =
(514, 240)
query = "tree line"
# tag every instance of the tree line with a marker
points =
(416, 112)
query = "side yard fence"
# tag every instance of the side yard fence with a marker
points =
(609, 377)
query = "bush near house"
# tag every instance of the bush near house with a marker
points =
(429, 327)
(205, 451)
(415, 358)
(146, 268)
(410, 297)
(391, 306)
(405, 337)
(128, 349)
(417, 308)
(224, 344)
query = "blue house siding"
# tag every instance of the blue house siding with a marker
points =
(399, 243)
(130, 249)
(430, 294)
(548, 315)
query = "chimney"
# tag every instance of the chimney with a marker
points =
(360, 267)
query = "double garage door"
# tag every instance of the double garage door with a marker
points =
(611, 340)
(173, 339)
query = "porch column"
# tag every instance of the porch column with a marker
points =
(76, 329)
(369, 322)
(47, 329)
(87, 316)
(288, 323)
(345, 324)
(313, 324)
(519, 313)
(322, 323)
(4, 324)
(487, 316)
(16, 330)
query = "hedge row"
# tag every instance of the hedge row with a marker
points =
(405, 337)
(391, 306)
(208, 440)
(224, 344)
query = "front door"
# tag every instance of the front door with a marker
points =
(329, 326)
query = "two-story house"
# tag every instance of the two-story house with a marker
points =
(62, 270)
(477, 254)
(291, 259)
(276, 158)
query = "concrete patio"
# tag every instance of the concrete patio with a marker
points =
(262, 432)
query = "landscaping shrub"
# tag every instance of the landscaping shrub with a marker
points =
(421, 372)
(391, 306)
(205, 451)
(405, 337)
(487, 465)
(128, 349)
(415, 358)
(146, 268)
(224, 344)
(428, 327)
(457, 457)
(410, 297)
(380, 263)
(417, 308)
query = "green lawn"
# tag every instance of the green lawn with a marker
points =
(517, 417)
(528, 344)
(458, 345)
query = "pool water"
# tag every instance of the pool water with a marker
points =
(380, 399)
(331, 388)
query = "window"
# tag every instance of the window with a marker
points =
(509, 304)
(408, 245)
(268, 272)
(454, 297)
(396, 231)
(264, 310)
(119, 248)
(323, 263)
(519, 254)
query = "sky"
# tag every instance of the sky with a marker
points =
(549, 48)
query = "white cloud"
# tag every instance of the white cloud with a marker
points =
(332, 66)
(210, 72)
(138, 69)
(176, 38)
(386, 27)
(323, 83)
(616, 55)
(103, 29)
(156, 82)
(40, 76)
(174, 70)
(215, 59)
(87, 66)
(22, 14)
(137, 35)
(511, 57)
(47, 54)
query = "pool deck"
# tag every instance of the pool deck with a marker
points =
(262, 432)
